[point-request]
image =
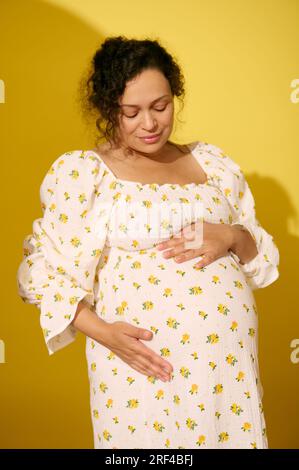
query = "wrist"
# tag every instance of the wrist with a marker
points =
(102, 332)
(234, 236)
(88, 322)
(243, 245)
(236, 232)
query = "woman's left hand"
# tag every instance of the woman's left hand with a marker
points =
(216, 241)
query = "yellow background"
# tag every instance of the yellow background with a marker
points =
(239, 60)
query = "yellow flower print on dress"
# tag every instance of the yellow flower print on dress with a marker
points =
(240, 376)
(120, 310)
(165, 352)
(194, 389)
(133, 403)
(213, 338)
(238, 285)
(181, 307)
(167, 292)
(201, 318)
(185, 338)
(159, 394)
(204, 315)
(223, 437)
(153, 280)
(109, 403)
(176, 399)
(103, 387)
(106, 435)
(236, 409)
(195, 290)
(218, 388)
(216, 280)
(148, 305)
(191, 423)
(232, 360)
(185, 372)
(246, 427)
(234, 326)
(223, 309)
(136, 265)
(201, 440)
(158, 426)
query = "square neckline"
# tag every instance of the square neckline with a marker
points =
(161, 185)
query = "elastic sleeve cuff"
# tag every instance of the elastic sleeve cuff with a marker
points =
(258, 272)
(251, 268)
(58, 309)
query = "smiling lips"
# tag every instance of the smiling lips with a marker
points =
(150, 136)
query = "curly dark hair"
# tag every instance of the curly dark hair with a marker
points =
(117, 61)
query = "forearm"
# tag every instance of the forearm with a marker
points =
(243, 245)
(90, 324)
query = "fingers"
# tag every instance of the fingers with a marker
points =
(147, 371)
(186, 255)
(207, 259)
(125, 342)
(177, 248)
(181, 254)
(152, 369)
(154, 363)
(170, 243)
(187, 234)
(144, 365)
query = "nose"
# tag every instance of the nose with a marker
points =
(148, 122)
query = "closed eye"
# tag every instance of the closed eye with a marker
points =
(159, 110)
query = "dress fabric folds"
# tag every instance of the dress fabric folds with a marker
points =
(96, 242)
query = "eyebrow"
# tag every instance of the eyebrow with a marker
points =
(136, 105)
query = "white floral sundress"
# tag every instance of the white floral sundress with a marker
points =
(204, 320)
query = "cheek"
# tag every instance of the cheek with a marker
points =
(127, 126)
(168, 116)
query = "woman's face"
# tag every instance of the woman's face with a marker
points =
(147, 108)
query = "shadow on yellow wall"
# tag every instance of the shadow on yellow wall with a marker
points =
(45, 400)
(278, 316)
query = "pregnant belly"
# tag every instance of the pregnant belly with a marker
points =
(176, 301)
(204, 321)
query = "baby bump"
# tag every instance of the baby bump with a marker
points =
(179, 303)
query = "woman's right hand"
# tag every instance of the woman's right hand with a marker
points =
(124, 340)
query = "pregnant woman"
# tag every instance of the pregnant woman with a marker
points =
(171, 328)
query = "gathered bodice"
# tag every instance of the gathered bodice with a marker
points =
(142, 215)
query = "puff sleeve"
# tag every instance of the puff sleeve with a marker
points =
(61, 255)
(263, 269)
